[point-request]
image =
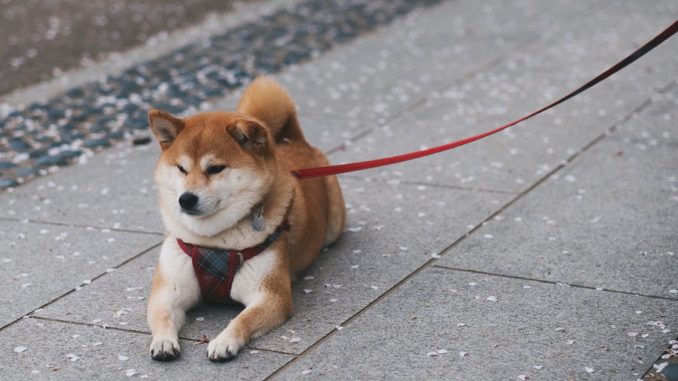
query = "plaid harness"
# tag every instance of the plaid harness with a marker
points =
(216, 268)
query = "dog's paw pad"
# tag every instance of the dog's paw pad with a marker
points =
(165, 349)
(223, 348)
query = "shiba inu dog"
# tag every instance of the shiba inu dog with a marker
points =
(230, 204)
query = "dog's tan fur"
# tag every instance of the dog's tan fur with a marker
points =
(259, 145)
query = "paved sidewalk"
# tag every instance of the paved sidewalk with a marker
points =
(547, 252)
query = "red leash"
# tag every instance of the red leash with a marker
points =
(351, 167)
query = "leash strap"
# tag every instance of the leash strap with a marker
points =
(362, 165)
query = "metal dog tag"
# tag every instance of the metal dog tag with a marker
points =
(258, 220)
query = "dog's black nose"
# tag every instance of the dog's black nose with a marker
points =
(188, 200)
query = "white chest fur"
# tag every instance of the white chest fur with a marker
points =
(246, 287)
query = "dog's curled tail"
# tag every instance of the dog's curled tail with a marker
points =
(269, 102)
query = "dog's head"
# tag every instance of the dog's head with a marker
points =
(213, 170)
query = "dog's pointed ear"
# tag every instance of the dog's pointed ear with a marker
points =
(249, 134)
(165, 127)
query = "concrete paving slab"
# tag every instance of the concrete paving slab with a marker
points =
(609, 220)
(454, 325)
(62, 351)
(41, 262)
(373, 255)
(329, 133)
(83, 194)
(381, 75)
(518, 157)
(656, 124)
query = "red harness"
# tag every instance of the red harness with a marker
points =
(216, 268)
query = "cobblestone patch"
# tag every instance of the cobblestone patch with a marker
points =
(38, 138)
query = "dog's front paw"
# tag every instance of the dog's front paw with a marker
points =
(165, 348)
(225, 347)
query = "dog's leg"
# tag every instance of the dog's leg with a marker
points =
(263, 285)
(174, 290)
(336, 216)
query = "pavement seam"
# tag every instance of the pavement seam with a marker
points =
(80, 226)
(642, 106)
(643, 141)
(129, 330)
(72, 290)
(352, 139)
(432, 185)
(554, 282)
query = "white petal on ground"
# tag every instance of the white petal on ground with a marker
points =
(659, 367)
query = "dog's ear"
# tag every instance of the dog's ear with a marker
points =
(165, 127)
(249, 134)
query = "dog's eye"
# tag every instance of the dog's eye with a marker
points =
(214, 169)
(181, 169)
